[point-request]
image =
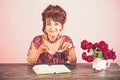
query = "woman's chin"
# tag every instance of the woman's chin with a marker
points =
(52, 37)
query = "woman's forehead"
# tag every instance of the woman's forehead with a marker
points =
(50, 19)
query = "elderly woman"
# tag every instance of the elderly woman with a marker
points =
(52, 46)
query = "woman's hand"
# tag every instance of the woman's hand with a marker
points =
(43, 48)
(72, 57)
(66, 46)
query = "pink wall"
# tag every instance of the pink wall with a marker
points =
(20, 21)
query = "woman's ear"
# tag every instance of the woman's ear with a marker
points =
(45, 31)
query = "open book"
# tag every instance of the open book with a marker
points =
(48, 69)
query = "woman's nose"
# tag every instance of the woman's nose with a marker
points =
(53, 28)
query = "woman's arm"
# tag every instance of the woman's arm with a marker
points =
(68, 45)
(34, 53)
(72, 56)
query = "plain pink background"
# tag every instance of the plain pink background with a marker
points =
(20, 21)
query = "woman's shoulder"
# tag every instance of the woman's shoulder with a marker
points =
(37, 37)
(67, 38)
(37, 40)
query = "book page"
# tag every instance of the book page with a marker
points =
(42, 69)
(60, 68)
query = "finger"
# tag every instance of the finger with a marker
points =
(70, 46)
(46, 49)
(66, 46)
(63, 38)
(63, 46)
(61, 50)
(43, 47)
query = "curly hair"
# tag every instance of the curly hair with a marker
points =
(56, 13)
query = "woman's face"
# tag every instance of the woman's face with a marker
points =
(53, 29)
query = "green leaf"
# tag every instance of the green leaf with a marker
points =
(88, 51)
(99, 54)
(98, 51)
(94, 55)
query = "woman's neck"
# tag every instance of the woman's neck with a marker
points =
(53, 46)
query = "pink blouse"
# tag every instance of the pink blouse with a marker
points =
(45, 57)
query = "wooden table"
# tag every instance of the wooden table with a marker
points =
(82, 71)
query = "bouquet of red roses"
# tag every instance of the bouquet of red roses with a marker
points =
(96, 50)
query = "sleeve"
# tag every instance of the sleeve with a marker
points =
(68, 39)
(36, 42)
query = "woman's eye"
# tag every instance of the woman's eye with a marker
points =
(49, 24)
(56, 24)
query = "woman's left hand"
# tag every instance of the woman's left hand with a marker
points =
(66, 46)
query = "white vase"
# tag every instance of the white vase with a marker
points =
(100, 64)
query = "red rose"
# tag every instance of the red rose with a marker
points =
(96, 44)
(89, 46)
(84, 55)
(100, 48)
(83, 44)
(90, 58)
(105, 57)
(107, 52)
(114, 57)
(103, 46)
(110, 54)
(113, 52)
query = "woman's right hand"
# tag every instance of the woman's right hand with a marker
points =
(43, 48)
